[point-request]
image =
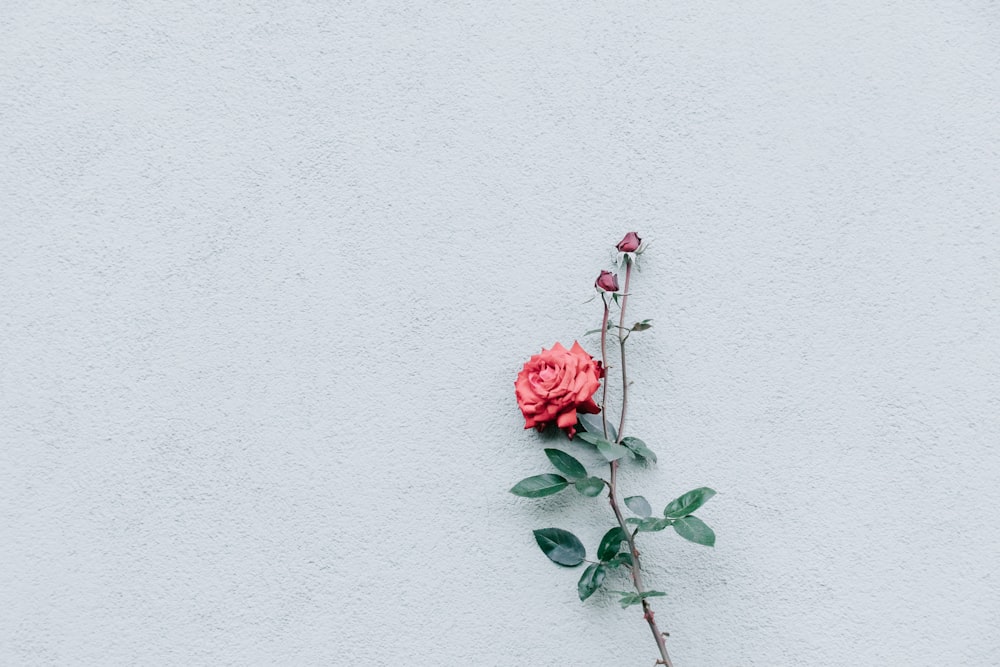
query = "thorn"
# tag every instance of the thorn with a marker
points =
(665, 634)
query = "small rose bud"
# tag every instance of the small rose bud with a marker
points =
(606, 282)
(630, 243)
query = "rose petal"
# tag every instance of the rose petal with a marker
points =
(566, 419)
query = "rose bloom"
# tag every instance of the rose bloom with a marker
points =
(630, 243)
(556, 384)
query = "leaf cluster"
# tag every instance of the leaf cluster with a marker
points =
(564, 548)
(611, 448)
(573, 472)
(678, 513)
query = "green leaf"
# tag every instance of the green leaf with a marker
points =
(566, 464)
(610, 451)
(650, 525)
(539, 485)
(694, 529)
(621, 559)
(688, 503)
(598, 330)
(561, 546)
(639, 448)
(639, 505)
(592, 425)
(629, 599)
(591, 580)
(590, 487)
(640, 326)
(594, 435)
(611, 543)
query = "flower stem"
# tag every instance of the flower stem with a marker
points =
(636, 569)
(604, 365)
(622, 337)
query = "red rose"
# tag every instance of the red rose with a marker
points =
(630, 243)
(555, 385)
(606, 282)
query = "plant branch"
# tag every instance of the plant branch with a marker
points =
(621, 343)
(636, 569)
(604, 365)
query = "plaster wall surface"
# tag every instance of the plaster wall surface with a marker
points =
(268, 270)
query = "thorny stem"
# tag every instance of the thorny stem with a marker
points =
(621, 342)
(604, 365)
(636, 569)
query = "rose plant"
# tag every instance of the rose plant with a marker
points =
(557, 387)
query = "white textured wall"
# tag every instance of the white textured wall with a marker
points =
(266, 276)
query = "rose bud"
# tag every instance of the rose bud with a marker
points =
(557, 384)
(630, 243)
(606, 282)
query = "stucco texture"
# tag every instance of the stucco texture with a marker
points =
(268, 270)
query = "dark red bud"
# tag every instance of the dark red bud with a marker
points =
(630, 243)
(606, 282)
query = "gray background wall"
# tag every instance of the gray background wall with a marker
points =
(267, 274)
